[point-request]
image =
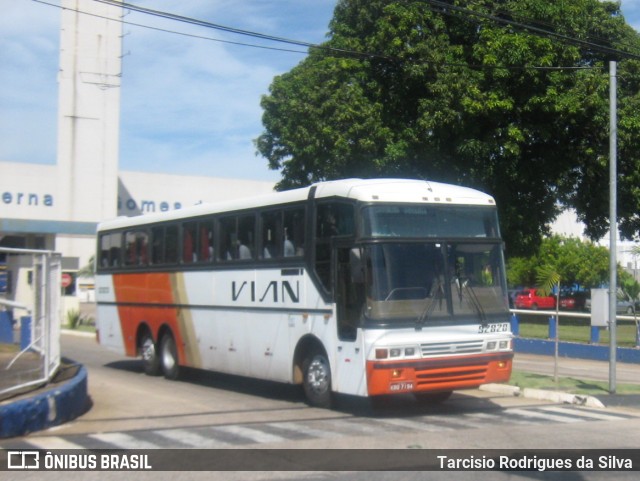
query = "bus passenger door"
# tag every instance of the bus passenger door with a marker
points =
(349, 296)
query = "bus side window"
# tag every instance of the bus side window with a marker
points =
(332, 219)
(110, 250)
(350, 293)
(136, 250)
(293, 232)
(171, 244)
(189, 238)
(271, 234)
(157, 248)
(246, 236)
(205, 241)
(228, 239)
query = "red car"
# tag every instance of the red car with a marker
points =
(574, 301)
(529, 299)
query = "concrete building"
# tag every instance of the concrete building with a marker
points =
(57, 207)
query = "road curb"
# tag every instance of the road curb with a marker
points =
(58, 404)
(544, 395)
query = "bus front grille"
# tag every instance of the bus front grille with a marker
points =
(460, 375)
(443, 348)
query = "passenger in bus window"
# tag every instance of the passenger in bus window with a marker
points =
(269, 250)
(289, 248)
(243, 251)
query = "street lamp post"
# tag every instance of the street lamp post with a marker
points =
(613, 222)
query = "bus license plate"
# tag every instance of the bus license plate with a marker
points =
(401, 386)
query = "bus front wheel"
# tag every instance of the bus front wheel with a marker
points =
(317, 380)
(149, 354)
(169, 357)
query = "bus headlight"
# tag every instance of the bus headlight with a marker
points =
(396, 352)
(382, 353)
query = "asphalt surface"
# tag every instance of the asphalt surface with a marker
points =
(36, 405)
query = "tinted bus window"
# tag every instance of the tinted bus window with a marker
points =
(283, 233)
(136, 248)
(246, 236)
(333, 219)
(110, 249)
(237, 237)
(430, 221)
(205, 241)
(197, 242)
(165, 245)
(189, 242)
(293, 231)
(171, 244)
(272, 239)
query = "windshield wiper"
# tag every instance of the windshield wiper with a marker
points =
(431, 304)
(473, 298)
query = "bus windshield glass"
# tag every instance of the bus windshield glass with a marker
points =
(427, 282)
(420, 221)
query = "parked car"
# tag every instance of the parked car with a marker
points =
(529, 299)
(622, 307)
(627, 307)
(574, 301)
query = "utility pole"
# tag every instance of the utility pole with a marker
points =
(613, 222)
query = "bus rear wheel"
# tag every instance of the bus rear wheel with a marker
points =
(149, 354)
(317, 380)
(169, 357)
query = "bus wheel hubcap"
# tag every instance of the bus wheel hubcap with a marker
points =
(318, 375)
(167, 356)
(148, 351)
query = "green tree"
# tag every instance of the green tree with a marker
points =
(574, 261)
(441, 95)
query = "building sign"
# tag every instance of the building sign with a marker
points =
(30, 199)
(131, 206)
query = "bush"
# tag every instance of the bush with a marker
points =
(74, 318)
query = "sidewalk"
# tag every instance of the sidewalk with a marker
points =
(626, 373)
(583, 369)
(36, 408)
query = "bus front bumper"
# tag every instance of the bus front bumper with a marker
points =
(437, 374)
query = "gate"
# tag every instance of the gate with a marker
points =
(30, 294)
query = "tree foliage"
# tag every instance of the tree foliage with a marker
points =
(445, 96)
(574, 262)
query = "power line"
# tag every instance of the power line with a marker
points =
(534, 29)
(530, 21)
(341, 52)
(234, 30)
(149, 27)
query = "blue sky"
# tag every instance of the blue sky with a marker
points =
(189, 106)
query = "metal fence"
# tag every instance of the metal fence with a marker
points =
(30, 307)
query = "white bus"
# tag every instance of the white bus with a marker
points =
(362, 287)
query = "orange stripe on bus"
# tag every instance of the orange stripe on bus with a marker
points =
(148, 298)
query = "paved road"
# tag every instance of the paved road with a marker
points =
(285, 429)
(207, 410)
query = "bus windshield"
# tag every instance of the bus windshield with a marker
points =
(420, 221)
(426, 282)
